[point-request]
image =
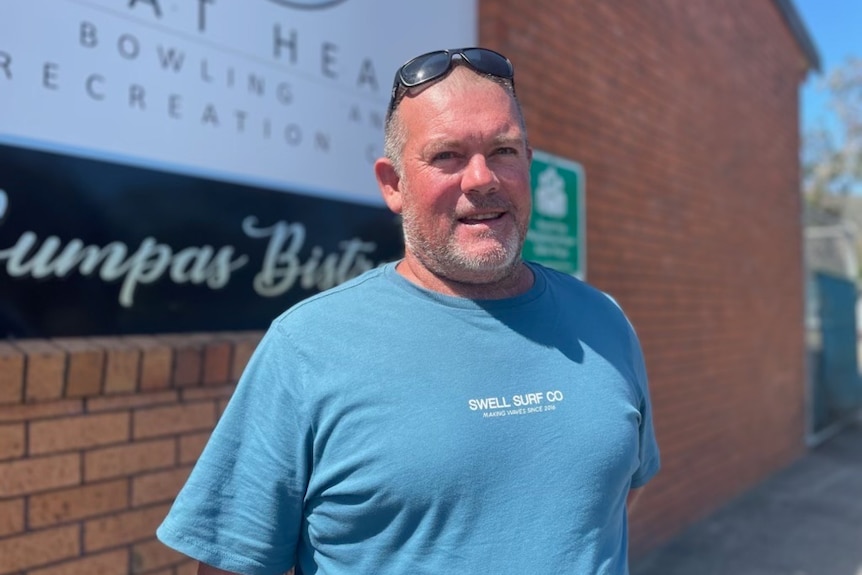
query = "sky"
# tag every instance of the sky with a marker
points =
(835, 27)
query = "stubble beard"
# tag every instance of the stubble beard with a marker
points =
(453, 262)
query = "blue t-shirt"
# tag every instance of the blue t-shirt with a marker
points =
(381, 428)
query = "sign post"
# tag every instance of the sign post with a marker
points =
(557, 233)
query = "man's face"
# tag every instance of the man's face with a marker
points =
(465, 182)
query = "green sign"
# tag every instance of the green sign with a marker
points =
(556, 237)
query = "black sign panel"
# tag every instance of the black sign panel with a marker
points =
(94, 248)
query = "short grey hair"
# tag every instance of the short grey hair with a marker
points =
(395, 132)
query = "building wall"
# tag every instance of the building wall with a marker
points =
(684, 116)
(96, 437)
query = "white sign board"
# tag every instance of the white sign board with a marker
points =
(276, 93)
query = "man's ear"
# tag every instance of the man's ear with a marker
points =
(389, 183)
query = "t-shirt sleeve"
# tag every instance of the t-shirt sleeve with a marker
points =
(241, 508)
(648, 451)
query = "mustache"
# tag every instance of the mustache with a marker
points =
(483, 203)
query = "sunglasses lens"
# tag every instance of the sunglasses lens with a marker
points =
(489, 62)
(425, 68)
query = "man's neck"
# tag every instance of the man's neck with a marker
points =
(519, 281)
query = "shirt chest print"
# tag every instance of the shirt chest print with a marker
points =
(518, 404)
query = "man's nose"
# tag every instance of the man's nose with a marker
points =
(478, 176)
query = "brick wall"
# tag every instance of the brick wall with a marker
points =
(96, 437)
(684, 114)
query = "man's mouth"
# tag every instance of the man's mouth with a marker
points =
(479, 218)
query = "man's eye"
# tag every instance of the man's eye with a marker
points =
(507, 151)
(444, 156)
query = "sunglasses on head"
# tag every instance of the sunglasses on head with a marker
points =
(434, 65)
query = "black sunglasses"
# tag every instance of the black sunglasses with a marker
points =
(433, 65)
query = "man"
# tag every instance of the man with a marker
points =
(457, 411)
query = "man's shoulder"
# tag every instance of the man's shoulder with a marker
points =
(367, 288)
(582, 295)
(570, 284)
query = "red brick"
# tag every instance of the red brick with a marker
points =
(173, 420)
(12, 440)
(11, 374)
(188, 568)
(24, 476)
(201, 393)
(123, 528)
(39, 548)
(33, 411)
(78, 432)
(221, 406)
(11, 516)
(158, 487)
(188, 358)
(153, 554)
(217, 357)
(110, 563)
(156, 362)
(243, 348)
(128, 402)
(77, 503)
(129, 459)
(187, 366)
(192, 445)
(85, 366)
(122, 365)
(45, 369)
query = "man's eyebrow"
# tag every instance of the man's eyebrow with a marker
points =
(439, 145)
(508, 140)
(450, 143)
